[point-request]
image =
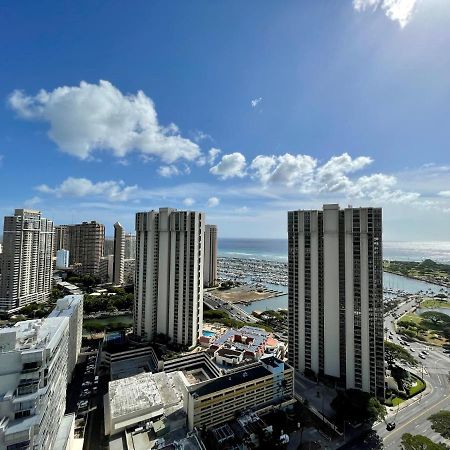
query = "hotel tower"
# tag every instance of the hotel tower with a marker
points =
(169, 275)
(336, 295)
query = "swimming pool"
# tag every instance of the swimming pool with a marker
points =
(208, 333)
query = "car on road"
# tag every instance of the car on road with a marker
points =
(424, 352)
(82, 404)
(447, 350)
(87, 384)
(390, 426)
(412, 350)
(422, 356)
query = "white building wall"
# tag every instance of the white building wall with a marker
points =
(331, 290)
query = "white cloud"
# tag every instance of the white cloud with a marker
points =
(92, 117)
(241, 210)
(33, 201)
(168, 171)
(210, 158)
(231, 165)
(256, 101)
(213, 202)
(444, 193)
(199, 136)
(400, 11)
(189, 201)
(82, 187)
(285, 169)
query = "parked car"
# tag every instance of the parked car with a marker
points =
(87, 383)
(390, 426)
(422, 356)
(82, 404)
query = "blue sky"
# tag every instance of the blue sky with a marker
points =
(241, 109)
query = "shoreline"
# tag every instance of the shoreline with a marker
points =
(416, 279)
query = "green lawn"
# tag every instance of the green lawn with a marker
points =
(396, 401)
(434, 303)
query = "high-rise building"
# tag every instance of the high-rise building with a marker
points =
(27, 259)
(210, 263)
(86, 243)
(62, 259)
(336, 295)
(61, 237)
(119, 254)
(106, 270)
(169, 275)
(33, 376)
(130, 246)
(71, 306)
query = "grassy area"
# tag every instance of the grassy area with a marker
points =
(434, 303)
(416, 327)
(419, 387)
(396, 401)
(218, 316)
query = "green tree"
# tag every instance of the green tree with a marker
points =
(436, 317)
(396, 353)
(419, 442)
(440, 422)
(356, 406)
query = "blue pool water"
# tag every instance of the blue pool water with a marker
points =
(208, 333)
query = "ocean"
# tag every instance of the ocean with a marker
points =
(276, 249)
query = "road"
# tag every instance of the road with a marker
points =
(232, 309)
(435, 369)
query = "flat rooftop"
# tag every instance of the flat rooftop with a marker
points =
(234, 379)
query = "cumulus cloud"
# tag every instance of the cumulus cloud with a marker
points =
(256, 101)
(231, 165)
(285, 169)
(189, 201)
(168, 171)
(92, 117)
(444, 193)
(82, 187)
(213, 202)
(400, 11)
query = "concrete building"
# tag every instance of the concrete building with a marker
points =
(210, 263)
(119, 254)
(33, 375)
(336, 295)
(62, 259)
(61, 237)
(256, 387)
(86, 244)
(128, 270)
(142, 398)
(106, 268)
(27, 259)
(130, 246)
(71, 306)
(169, 275)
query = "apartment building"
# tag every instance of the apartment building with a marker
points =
(119, 254)
(71, 306)
(33, 376)
(62, 259)
(27, 259)
(86, 244)
(169, 275)
(335, 297)
(210, 263)
(61, 237)
(254, 387)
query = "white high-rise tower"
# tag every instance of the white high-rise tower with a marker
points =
(27, 259)
(336, 295)
(119, 254)
(169, 275)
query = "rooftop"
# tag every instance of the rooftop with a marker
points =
(32, 334)
(234, 379)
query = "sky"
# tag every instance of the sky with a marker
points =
(244, 110)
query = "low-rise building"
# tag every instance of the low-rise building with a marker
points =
(253, 387)
(144, 398)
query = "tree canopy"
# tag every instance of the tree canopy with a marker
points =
(440, 422)
(419, 442)
(396, 353)
(436, 317)
(356, 406)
